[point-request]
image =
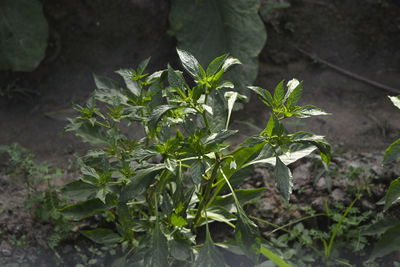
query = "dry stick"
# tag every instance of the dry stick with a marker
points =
(348, 73)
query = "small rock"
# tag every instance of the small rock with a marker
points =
(5, 249)
(319, 203)
(338, 195)
(321, 184)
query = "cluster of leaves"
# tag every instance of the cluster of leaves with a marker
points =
(302, 245)
(389, 228)
(209, 28)
(159, 189)
(44, 204)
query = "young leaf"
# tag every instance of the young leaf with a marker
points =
(316, 140)
(393, 193)
(279, 94)
(215, 65)
(132, 85)
(219, 137)
(283, 179)
(143, 65)
(158, 252)
(158, 113)
(230, 61)
(273, 257)
(175, 78)
(190, 63)
(388, 243)
(293, 95)
(265, 95)
(177, 220)
(392, 153)
(209, 255)
(102, 236)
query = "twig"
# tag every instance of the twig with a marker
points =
(348, 73)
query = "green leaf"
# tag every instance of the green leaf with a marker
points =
(388, 243)
(158, 252)
(279, 94)
(140, 182)
(177, 220)
(175, 78)
(102, 236)
(247, 235)
(219, 137)
(197, 169)
(105, 83)
(316, 140)
(393, 193)
(395, 100)
(93, 135)
(216, 65)
(392, 153)
(209, 255)
(79, 190)
(83, 210)
(23, 34)
(143, 65)
(273, 257)
(158, 113)
(265, 95)
(287, 158)
(253, 140)
(209, 29)
(283, 179)
(179, 249)
(293, 95)
(190, 63)
(171, 164)
(379, 227)
(131, 84)
(308, 111)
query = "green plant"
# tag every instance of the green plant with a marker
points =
(23, 34)
(209, 28)
(160, 190)
(389, 228)
(44, 204)
(328, 243)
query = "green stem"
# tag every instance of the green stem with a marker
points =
(328, 250)
(206, 194)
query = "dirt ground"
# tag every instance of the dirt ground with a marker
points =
(88, 37)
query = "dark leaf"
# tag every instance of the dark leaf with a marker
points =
(102, 236)
(283, 179)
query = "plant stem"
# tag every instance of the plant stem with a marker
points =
(206, 194)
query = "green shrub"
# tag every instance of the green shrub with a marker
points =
(158, 190)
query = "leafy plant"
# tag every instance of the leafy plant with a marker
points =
(159, 190)
(211, 28)
(389, 228)
(23, 34)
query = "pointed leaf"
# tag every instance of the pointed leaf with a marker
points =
(247, 235)
(190, 63)
(216, 65)
(79, 190)
(393, 193)
(105, 83)
(279, 94)
(273, 257)
(308, 111)
(263, 93)
(175, 78)
(219, 137)
(388, 243)
(209, 255)
(83, 210)
(283, 179)
(102, 236)
(392, 153)
(132, 85)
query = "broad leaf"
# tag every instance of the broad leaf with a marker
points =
(85, 209)
(283, 179)
(158, 252)
(216, 65)
(308, 111)
(131, 84)
(393, 193)
(211, 28)
(247, 235)
(279, 94)
(265, 95)
(392, 153)
(219, 137)
(79, 190)
(158, 113)
(175, 78)
(23, 34)
(209, 255)
(190, 63)
(102, 236)
(388, 243)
